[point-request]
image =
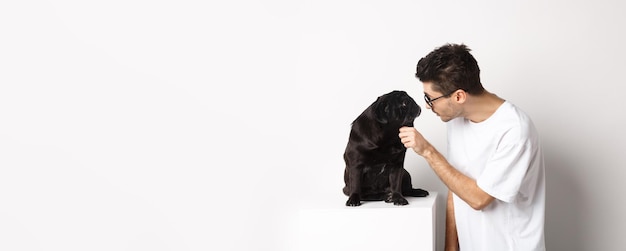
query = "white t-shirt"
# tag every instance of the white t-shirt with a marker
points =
(503, 155)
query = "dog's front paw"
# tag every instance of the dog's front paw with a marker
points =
(354, 201)
(397, 199)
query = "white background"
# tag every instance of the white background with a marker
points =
(195, 125)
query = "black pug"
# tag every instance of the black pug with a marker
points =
(375, 155)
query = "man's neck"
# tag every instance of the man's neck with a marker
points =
(482, 106)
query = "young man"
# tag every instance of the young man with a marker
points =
(494, 170)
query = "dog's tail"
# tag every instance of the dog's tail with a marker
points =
(413, 192)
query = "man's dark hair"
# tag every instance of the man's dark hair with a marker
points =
(450, 67)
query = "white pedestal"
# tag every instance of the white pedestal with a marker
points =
(375, 225)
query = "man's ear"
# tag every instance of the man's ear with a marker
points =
(460, 96)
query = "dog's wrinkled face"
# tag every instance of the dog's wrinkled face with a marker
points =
(397, 108)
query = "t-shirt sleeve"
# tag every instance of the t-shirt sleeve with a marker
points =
(505, 170)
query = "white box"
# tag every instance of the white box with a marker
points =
(375, 225)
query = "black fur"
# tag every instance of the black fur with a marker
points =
(374, 155)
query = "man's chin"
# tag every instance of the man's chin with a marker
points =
(444, 119)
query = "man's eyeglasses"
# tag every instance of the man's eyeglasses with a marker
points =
(430, 101)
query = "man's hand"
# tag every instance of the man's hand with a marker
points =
(411, 138)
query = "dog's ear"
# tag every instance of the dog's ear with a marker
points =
(381, 109)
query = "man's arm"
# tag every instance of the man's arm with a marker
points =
(452, 239)
(463, 186)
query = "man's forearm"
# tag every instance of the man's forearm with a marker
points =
(462, 185)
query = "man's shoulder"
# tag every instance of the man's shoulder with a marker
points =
(516, 121)
(509, 111)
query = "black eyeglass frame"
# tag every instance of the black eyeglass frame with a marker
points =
(429, 101)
